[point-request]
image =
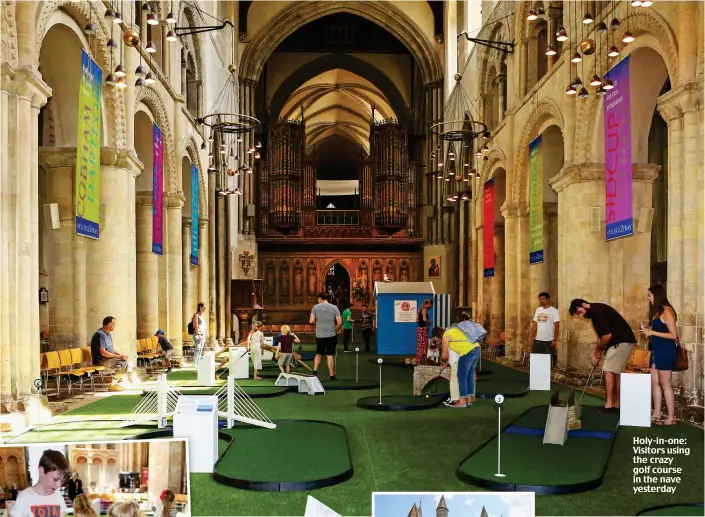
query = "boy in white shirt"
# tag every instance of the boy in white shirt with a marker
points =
(544, 329)
(44, 498)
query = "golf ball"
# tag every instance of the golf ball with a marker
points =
(379, 361)
(357, 350)
(426, 396)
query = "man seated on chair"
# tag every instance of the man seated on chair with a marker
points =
(615, 338)
(103, 353)
(544, 329)
(167, 349)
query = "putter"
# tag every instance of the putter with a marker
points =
(586, 384)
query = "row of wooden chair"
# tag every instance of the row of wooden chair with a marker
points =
(299, 330)
(71, 364)
(148, 352)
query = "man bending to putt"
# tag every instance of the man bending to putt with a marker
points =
(328, 322)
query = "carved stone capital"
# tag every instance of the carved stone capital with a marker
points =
(186, 222)
(174, 200)
(202, 222)
(576, 173)
(509, 210)
(57, 157)
(122, 159)
(144, 198)
(685, 97)
(27, 84)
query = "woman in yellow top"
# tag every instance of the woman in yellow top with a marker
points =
(454, 339)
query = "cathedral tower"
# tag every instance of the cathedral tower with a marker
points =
(442, 509)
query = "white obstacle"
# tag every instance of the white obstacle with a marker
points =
(234, 404)
(306, 383)
(158, 405)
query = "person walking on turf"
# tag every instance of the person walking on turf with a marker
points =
(347, 326)
(285, 348)
(544, 329)
(422, 331)
(367, 324)
(326, 317)
(254, 344)
(197, 330)
(615, 338)
(663, 333)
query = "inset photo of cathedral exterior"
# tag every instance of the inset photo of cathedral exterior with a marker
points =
(453, 504)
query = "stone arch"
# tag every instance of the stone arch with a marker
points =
(192, 42)
(496, 159)
(490, 57)
(342, 61)
(342, 264)
(82, 13)
(9, 33)
(298, 14)
(546, 111)
(191, 147)
(641, 22)
(154, 103)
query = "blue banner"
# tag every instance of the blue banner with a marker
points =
(194, 215)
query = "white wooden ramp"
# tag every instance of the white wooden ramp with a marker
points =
(306, 383)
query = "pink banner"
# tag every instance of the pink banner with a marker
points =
(157, 192)
(488, 229)
(619, 218)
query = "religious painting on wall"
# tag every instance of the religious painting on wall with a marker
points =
(298, 281)
(271, 275)
(434, 267)
(377, 272)
(391, 271)
(404, 271)
(284, 280)
(312, 280)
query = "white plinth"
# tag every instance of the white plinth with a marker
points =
(206, 370)
(239, 363)
(540, 372)
(196, 419)
(266, 354)
(635, 399)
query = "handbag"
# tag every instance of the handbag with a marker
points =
(639, 360)
(681, 362)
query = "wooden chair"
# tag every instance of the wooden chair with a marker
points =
(276, 329)
(187, 346)
(87, 360)
(299, 330)
(310, 329)
(77, 362)
(65, 369)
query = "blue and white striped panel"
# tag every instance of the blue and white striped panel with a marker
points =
(442, 310)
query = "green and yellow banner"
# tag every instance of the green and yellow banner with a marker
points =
(88, 149)
(535, 202)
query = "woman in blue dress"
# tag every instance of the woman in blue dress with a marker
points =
(664, 334)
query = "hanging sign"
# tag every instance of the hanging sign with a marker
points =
(157, 191)
(488, 229)
(87, 207)
(535, 202)
(619, 218)
(194, 215)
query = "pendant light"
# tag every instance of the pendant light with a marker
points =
(171, 35)
(647, 3)
(571, 90)
(120, 83)
(588, 19)
(109, 14)
(628, 37)
(561, 35)
(531, 15)
(151, 48)
(551, 50)
(152, 18)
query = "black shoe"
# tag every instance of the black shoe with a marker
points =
(168, 370)
(332, 377)
(315, 372)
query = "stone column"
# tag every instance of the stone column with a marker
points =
(111, 261)
(500, 107)
(204, 266)
(80, 336)
(212, 266)
(551, 37)
(174, 202)
(147, 268)
(186, 301)
(229, 231)
(7, 207)
(221, 267)
(498, 282)
(525, 303)
(31, 94)
(523, 55)
(511, 293)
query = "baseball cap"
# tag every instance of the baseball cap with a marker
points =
(159, 333)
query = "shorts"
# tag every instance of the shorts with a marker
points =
(542, 347)
(285, 359)
(168, 353)
(326, 345)
(616, 358)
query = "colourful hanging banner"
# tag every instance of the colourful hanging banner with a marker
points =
(619, 218)
(194, 215)
(535, 202)
(157, 191)
(488, 229)
(87, 208)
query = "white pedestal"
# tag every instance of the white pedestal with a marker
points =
(196, 419)
(540, 372)
(206, 370)
(635, 399)
(239, 363)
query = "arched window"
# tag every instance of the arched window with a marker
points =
(192, 87)
(542, 45)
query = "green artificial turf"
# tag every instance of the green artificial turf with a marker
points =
(526, 460)
(677, 510)
(252, 391)
(418, 451)
(261, 455)
(399, 401)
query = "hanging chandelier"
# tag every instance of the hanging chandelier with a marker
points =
(458, 124)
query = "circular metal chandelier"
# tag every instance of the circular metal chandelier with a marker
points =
(224, 117)
(458, 124)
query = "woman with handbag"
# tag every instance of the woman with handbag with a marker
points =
(663, 334)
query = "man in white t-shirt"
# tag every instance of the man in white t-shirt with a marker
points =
(43, 499)
(544, 329)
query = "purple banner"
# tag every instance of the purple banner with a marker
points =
(619, 218)
(157, 192)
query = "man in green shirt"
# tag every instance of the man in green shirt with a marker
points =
(347, 327)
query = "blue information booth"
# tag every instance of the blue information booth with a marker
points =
(397, 304)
